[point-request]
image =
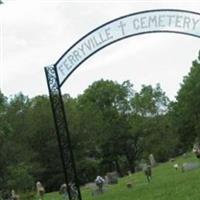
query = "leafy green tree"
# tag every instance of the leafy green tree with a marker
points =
(83, 137)
(150, 101)
(149, 124)
(4, 130)
(17, 117)
(186, 109)
(104, 107)
(20, 177)
(42, 140)
(4, 126)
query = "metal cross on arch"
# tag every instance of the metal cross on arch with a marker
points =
(150, 21)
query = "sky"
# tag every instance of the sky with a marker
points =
(35, 34)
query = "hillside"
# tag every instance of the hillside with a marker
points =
(167, 184)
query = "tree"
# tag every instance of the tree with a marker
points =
(149, 124)
(17, 117)
(20, 177)
(4, 131)
(4, 126)
(150, 101)
(43, 145)
(105, 107)
(186, 109)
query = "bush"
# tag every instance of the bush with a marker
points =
(19, 178)
(87, 170)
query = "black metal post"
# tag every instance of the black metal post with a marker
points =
(63, 135)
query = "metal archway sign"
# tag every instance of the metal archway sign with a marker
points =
(150, 21)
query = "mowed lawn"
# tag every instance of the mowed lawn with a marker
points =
(167, 184)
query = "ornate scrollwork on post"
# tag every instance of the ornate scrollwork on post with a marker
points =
(63, 135)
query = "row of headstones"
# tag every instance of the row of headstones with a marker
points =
(112, 177)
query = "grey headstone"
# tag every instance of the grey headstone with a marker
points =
(112, 178)
(190, 166)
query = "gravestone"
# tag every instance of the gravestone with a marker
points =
(152, 160)
(129, 185)
(112, 177)
(190, 166)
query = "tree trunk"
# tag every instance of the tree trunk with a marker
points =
(118, 168)
(131, 163)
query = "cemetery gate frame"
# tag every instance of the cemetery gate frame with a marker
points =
(149, 21)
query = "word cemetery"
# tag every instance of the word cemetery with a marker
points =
(135, 24)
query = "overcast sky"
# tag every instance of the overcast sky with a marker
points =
(34, 34)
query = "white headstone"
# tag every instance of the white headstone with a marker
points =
(152, 160)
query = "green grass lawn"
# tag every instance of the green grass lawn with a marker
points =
(167, 184)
